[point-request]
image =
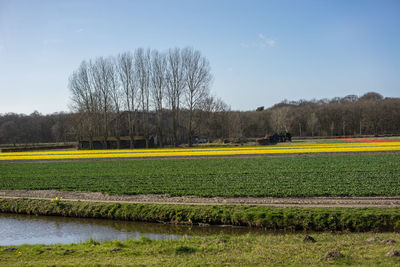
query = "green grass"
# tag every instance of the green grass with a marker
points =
(288, 219)
(247, 250)
(344, 175)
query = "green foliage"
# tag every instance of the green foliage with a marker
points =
(315, 219)
(92, 242)
(344, 175)
(118, 243)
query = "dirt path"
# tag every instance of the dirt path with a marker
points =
(383, 201)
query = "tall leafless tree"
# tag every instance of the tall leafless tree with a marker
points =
(176, 82)
(126, 71)
(101, 72)
(158, 84)
(312, 122)
(281, 119)
(198, 78)
(117, 98)
(142, 71)
(85, 99)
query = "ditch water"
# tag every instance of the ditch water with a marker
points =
(17, 229)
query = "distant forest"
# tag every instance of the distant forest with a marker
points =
(370, 114)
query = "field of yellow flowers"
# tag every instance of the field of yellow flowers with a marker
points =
(204, 152)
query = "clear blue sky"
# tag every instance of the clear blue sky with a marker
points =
(261, 52)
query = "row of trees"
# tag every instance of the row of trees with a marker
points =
(36, 128)
(134, 94)
(370, 114)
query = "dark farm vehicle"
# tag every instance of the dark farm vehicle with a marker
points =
(274, 139)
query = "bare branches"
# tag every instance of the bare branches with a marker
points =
(198, 78)
(158, 74)
(135, 84)
(126, 73)
(142, 74)
(176, 83)
(158, 78)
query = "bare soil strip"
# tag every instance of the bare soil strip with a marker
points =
(306, 202)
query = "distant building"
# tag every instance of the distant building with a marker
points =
(115, 143)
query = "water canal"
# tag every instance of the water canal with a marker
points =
(17, 229)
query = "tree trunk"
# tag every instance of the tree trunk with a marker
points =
(190, 126)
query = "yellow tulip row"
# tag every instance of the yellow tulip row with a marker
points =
(187, 152)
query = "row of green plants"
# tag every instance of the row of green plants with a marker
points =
(290, 219)
(317, 175)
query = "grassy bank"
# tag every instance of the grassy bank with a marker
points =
(344, 175)
(314, 219)
(247, 250)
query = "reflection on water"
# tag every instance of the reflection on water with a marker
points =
(16, 229)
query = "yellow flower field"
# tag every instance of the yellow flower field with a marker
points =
(188, 152)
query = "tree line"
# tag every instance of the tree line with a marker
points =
(370, 114)
(165, 96)
(36, 128)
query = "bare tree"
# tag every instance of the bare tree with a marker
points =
(218, 118)
(312, 122)
(158, 83)
(198, 78)
(84, 99)
(101, 72)
(142, 68)
(126, 73)
(117, 98)
(280, 119)
(175, 84)
(236, 127)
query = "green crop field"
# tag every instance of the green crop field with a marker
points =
(343, 175)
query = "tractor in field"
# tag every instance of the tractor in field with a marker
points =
(274, 139)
